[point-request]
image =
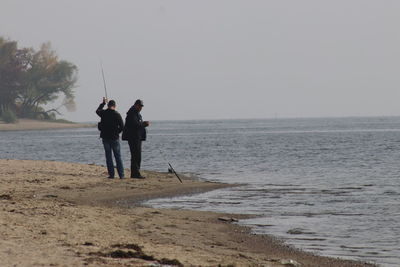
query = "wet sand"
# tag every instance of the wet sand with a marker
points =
(65, 214)
(27, 124)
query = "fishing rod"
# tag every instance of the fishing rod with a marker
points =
(171, 169)
(104, 80)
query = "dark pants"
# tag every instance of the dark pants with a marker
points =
(113, 147)
(135, 147)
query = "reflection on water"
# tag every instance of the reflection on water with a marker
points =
(329, 186)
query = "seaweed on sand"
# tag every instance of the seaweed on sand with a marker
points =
(133, 251)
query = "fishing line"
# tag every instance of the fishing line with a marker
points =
(104, 79)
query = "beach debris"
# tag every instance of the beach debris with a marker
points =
(289, 262)
(5, 197)
(167, 263)
(228, 219)
(130, 254)
(51, 196)
(122, 254)
(155, 212)
(128, 246)
(65, 187)
(88, 244)
(126, 251)
(173, 262)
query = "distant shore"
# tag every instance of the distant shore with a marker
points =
(55, 213)
(27, 124)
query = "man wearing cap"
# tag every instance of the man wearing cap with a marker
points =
(135, 133)
(110, 127)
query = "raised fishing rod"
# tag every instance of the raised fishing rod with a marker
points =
(104, 79)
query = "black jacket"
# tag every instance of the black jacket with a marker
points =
(134, 128)
(111, 123)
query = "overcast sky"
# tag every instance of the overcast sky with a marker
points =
(222, 58)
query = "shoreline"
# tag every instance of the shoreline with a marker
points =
(56, 213)
(29, 124)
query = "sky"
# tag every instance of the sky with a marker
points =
(221, 59)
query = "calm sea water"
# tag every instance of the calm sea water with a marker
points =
(329, 186)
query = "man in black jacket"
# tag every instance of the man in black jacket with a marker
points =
(135, 133)
(110, 127)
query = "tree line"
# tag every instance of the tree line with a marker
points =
(31, 80)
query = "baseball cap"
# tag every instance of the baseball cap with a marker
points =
(139, 102)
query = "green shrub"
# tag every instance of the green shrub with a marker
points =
(9, 116)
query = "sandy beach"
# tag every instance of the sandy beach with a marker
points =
(66, 214)
(27, 124)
